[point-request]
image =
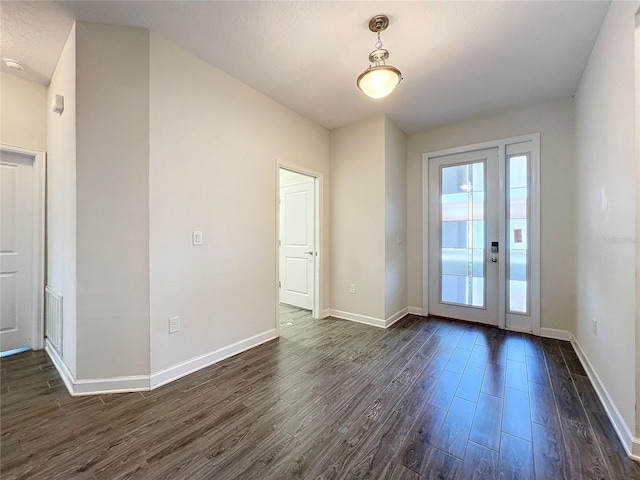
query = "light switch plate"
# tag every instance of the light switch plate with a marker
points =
(197, 238)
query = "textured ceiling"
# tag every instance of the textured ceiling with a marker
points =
(34, 34)
(459, 59)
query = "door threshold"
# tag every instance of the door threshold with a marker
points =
(15, 351)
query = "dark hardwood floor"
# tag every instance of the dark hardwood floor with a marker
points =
(427, 398)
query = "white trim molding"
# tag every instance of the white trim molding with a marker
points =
(197, 363)
(375, 322)
(630, 443)
(556, 334)
(101, 386)
(143, 383)
(318, 270)
(396, 317)
(39, 206)
(355, 317)
(415, 311)
(61, 367)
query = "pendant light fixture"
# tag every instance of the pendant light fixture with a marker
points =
(379, 80)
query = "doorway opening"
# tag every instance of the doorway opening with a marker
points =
(298, 244)
(21, 249)
(482, 233)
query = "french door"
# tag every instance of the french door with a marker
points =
(482, 263)
(463, 220)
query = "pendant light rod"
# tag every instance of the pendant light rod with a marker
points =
(379, 79)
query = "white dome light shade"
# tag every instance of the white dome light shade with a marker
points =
(14, 64)
(379, 81)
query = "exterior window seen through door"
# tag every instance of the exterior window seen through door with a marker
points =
(462, 213)
(518, 233)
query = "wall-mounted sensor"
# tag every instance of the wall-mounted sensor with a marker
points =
(58, 104)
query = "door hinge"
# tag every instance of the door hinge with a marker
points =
(279, 284)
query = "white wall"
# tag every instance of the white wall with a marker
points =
(112, 200)
(554, 121)
(357, 196)
(61, 195)
(637, 43)
(606, 208)
(395, 219)
(214, 143)
(23, 118)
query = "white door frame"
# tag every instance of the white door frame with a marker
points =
(317, 264)
(501, 144)
(40, 160)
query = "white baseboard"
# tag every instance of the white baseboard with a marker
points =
(185, 368)
(141, 383)
(102, 386)
(326, 313)
(395, 317)
(354, 317)
(415, 311)
(376, 322)
(556, 334)
(630, 443)
(635, 449)
(99, 386)
(61, 367)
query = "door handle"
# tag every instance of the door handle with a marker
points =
(309, 253)
(494, 259)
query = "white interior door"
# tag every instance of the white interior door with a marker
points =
(297, 241)
(463, 228)
(17, 296)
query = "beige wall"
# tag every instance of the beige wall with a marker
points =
(395, 290)
(214, 143)
(112, 200)
(61, 195)
(357, 218)
(637, 43)
(23, 116)
(606, 208)
(554, 121)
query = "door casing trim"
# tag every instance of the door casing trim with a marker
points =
(38, 281)
(318, 213)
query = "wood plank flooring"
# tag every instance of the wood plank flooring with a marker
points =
(425, 399)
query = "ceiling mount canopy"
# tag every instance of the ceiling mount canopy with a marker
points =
(379, 79)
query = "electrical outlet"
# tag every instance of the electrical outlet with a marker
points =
(352, 288)
(174, 324)
(594, 326)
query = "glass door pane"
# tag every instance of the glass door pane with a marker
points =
(462, 227)
(518, 233)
